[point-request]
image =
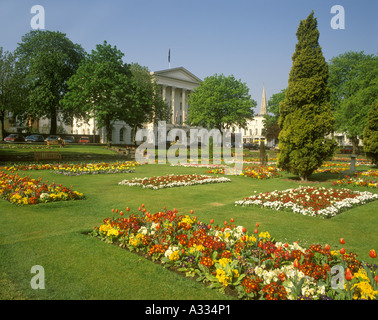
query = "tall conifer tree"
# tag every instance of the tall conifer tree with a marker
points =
(305, 113)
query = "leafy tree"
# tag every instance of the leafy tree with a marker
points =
(11, 97)
(148, 105)
(48, 59)
(220, 102)
(371, 133)
(272, 130)
(305, 113)
(102, 88)
(353, 83)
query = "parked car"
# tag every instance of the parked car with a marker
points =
(69, 139)
(34, 138)
(251, 146)
(15, 137)
(52, 137)
(84, 140)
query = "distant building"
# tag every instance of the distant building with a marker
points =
(253, 133)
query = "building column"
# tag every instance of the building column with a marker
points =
(164, 91)
(173, 105)
(183, 102)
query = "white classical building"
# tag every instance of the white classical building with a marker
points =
(176, 85)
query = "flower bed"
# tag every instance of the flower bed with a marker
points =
(78, 168)
(171, 181)
(96, 168)
(356, 182)
(369, 173)
(200, 165)
(233, 261)
(261, 172)
(312, 201)
(333, 167)
(25, 190)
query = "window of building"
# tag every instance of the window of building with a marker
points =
(121, 132)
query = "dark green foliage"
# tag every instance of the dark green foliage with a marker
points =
(353, 81)
(305, 114)
(47, 59)
(220, 102)
(371, 133)
(101, 88)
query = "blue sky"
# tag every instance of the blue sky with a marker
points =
(251, 39)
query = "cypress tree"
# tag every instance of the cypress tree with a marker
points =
(371, 133)
(305, 113)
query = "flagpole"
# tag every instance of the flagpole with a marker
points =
(169, 58)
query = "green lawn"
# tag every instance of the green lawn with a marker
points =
(77, 266)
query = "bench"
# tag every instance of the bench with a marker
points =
(52, 142)
(44, 155)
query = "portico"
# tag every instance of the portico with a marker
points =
(176, 85)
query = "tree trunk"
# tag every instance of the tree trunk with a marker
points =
(263, 155)
(108, 134)
(2, 131)
(355, 145)
(53, 122)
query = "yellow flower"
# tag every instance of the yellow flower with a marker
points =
(222, 278)
(174, 256)
(363, 289)
(224, 261)
(264, 235)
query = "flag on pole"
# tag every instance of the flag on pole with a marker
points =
(169, 58)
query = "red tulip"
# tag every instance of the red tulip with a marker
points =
(232, 219)
(209, 226)
(142, 205)
(182, 251)
(257, 225)
(225, 223)
(191, 211)
(243, 238)
(256, 231)
(112, 210)
(286, 245)
(327, 247)
(376, 278)
(127, 209)
(244, 229)
(348, 274)
(139, 209)
(121, 213)
(342, 241)
(212, 221)
(260, 244)
(342, 251)
(296, 263)
(116, 210)
(373, 253)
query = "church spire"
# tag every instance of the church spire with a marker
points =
(263, 102)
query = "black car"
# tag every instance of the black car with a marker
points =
(251, 146)
(34, 138)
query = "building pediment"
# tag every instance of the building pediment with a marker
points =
(180, 74)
